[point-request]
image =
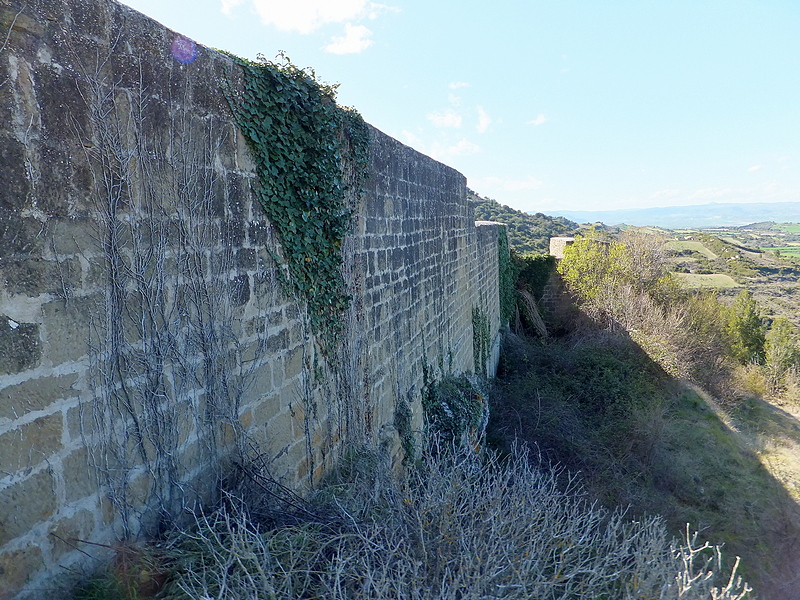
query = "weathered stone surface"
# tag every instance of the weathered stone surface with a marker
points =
(240, 290)
(25, 504)
(13, 175)
(31, 443)
(35, 276)
(17, 568)
(35, 394)
(61, 102)
(68, 533)
(68, 327)
(76, 235)
(20, 346)
(80, 476)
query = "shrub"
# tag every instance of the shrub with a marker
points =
(746, 330)
(456, 409)
(454, 528)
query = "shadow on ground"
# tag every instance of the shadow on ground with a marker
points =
(598, 405)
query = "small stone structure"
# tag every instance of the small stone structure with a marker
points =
(145, 339)
(557, 245)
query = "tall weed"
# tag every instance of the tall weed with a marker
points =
(459, 528)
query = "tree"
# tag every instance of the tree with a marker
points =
(780, 349)
(746, 330)
(613, 278)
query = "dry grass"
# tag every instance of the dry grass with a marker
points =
(454, 528)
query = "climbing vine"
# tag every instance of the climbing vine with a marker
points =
(480, 339)
(311, 159)
(507, 277)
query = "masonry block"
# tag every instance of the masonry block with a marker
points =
(279, 433)
(26, 503)
(293, 363)
(17, 568)
(80, 423)
(20, 346)
(35, 394)
(68, 325)
(67, 533)
(79, 475)
(29, 444)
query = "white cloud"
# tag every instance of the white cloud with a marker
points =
(228, 5)
(454, 100)
(305, 16)
(540, 118)
(447, 118)
(461, 148)
(355, 39)
(484, 120)
(755, 168)
(376, 10)
(457, 85)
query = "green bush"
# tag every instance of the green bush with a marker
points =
(456, 409)
(746, 329)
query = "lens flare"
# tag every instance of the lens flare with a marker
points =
(184, 50)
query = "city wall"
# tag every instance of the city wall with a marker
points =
(146, 340)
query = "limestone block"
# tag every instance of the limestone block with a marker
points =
(29, 444)
(35, 394)
(80, 477)
(278, 432)
(73, 236)
(15, 184)
(34, 276)
(68, 326)
(17, 568)
(61, 101)
(67, 532)
(293, 363)
(25, 504)
(20, 346)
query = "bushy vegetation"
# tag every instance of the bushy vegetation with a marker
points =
(625, 284)
(464, 527)
(620, 396)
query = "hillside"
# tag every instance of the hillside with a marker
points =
(760, 257)
(668, 400)
(527, 234)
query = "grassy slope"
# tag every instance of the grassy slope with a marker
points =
(715, 281)
(672, 451)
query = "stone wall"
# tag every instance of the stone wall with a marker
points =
(145, 340)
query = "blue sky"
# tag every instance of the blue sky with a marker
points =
(552, 105)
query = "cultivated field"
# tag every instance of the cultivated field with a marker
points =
(716, 281)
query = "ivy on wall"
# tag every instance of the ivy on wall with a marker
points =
(456, 408)
(507, 277)
(481, 341)
(311, 159)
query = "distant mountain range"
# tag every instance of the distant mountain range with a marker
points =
(701, 215)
